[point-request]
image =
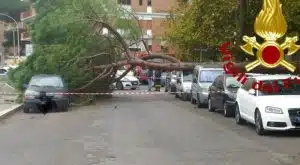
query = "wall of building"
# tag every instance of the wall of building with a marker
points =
(162, 6)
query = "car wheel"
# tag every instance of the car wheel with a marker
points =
(238, 118)
(176, 95)
(119, 85)
(210, 107)
(193, 101)
(259, 128)
(184, 96)
(26, 109)
(166, 89)
(226, 111)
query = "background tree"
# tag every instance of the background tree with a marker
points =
(212, 22)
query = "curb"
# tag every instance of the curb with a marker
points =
(9, 112)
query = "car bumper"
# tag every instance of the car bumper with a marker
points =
(59, 103)
(129, 85)
(278, 122)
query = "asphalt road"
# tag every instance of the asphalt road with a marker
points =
(142, 130)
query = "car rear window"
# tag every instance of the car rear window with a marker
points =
(47, 82)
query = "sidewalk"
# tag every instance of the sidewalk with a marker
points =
(8, 103)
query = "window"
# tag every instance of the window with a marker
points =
(208, 76)
(141, 2)
(47, 82)
(149, 3)
(124, 2)
(231, 82)
(292, 89)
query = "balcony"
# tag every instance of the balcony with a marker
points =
(12, 26)
(25, 36)
(28, 15)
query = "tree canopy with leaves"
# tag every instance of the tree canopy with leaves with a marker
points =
(68, 40)
(212, 22)
(66, 37)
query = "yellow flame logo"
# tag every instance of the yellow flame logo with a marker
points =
(271, 25)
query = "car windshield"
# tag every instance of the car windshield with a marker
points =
(46, 82)
(209, 75)
(187, 76)
(292, 89)
(3, 71)
(232, 82)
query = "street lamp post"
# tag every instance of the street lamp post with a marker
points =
(17, 28)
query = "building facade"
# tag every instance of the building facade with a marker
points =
(151, 15)
(26, 18)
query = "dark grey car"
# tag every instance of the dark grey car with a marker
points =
(222, 94)
(46, 91)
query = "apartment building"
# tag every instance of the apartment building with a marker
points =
(150, 13)
(26, 18)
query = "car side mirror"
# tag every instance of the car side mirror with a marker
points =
(251, 92)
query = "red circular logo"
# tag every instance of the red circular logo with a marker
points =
(270, 54)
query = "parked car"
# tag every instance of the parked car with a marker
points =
(275, 111)
(163, 79)
(184, 84)
(3, 72)
(127, 82)
(222, 94)
(203, 76)
(46, 90)
(171, 80)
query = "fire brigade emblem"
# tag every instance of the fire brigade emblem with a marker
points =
(271, 25)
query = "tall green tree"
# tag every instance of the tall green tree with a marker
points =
(63, 35)
(212, 22)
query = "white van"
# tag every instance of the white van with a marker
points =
(203, 77)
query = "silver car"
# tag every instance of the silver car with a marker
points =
(203, 76)
(171, 80)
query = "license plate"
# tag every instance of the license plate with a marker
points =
(297, 119)
(134, 83)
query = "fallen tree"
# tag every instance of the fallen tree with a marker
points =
(69, 40)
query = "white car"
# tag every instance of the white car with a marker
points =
(127, 82)
(184, 84)
(3, 72)
(269, 111)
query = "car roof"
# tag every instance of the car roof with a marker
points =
(210, 66)
(273, 76)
